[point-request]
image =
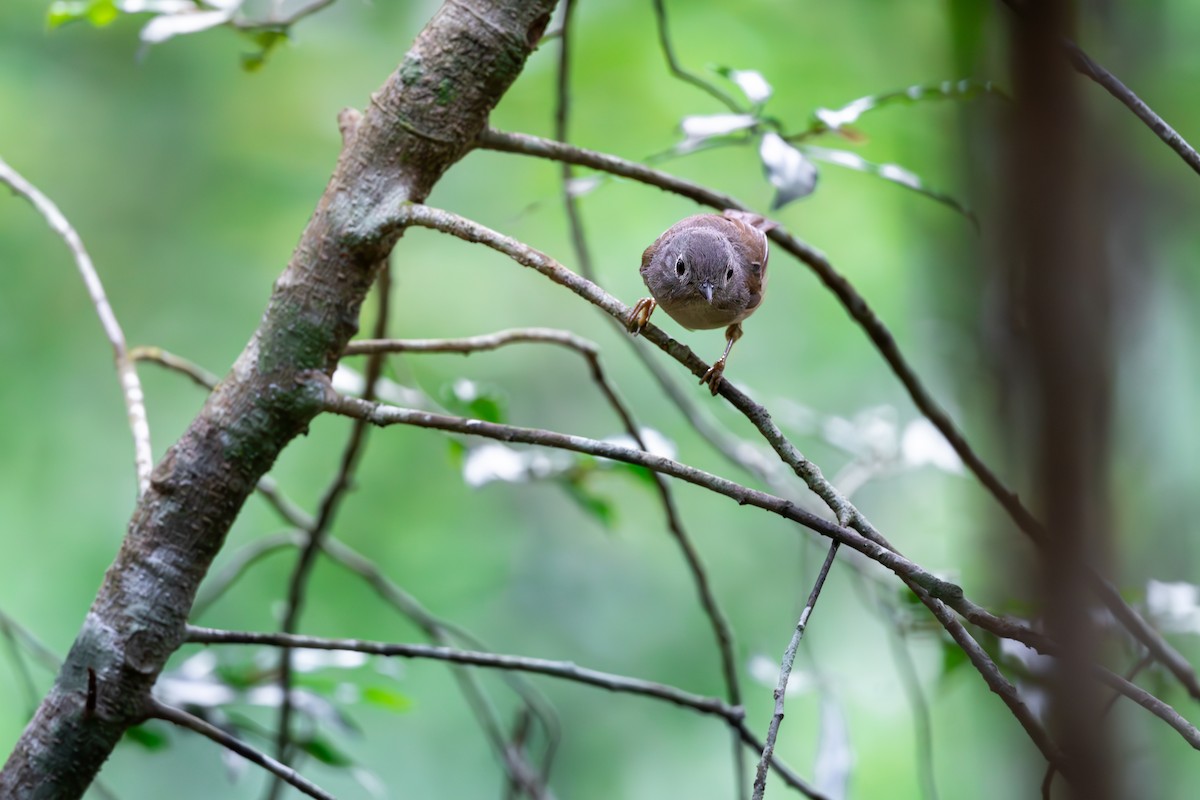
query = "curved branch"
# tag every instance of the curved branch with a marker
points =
(283, 772)
(862, 313)
(131, 386)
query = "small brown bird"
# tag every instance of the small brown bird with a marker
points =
(706, 271)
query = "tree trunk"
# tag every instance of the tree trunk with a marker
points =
(424, 118)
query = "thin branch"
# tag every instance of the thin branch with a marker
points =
(785, 674)
(218, 582)
(664, 42)
(937, 594)
(282, 22)
(283, 772)
(562, 105)
(1141, 664)
(156, 355)
(445, 633)
(862, 313)
(720, 625)
(438, 630)
(1086, 66)
(338, 487)
(558, 669)
(909, 679)
(131, 387)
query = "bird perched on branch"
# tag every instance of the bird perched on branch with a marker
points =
(706, 271)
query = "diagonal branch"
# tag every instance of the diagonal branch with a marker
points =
(1086, 66)
(131, 387)
(785, 674)
(283, 772)
(862, 313)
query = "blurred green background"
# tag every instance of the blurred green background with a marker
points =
(190, 181)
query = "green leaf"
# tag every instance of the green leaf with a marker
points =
(888, 172)
(599, 508)
(97, 12)
(386, 698)
(325, 751)
(148, 736)
(953, 657)
(267, 41)
(473, 399)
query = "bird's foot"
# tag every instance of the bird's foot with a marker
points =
(640, 315)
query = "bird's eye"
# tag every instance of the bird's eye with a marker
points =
(729, 273)
(680, 266)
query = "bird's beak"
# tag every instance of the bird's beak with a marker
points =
(706, 289)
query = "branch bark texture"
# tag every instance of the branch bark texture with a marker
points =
(426, 115)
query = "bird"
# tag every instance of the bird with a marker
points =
(706, 271)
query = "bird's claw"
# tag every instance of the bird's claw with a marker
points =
(714, 376)
(640, 315)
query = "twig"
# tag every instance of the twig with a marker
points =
(156, 355)
(444, 633)
(218, 582)
(589, 351)
(1086, 66)
(298, 584)
(1133, 672)
(283, 772)
(909, 679)
(131, 387)
(540, 666)
(858, 309)
(562, 105)
(664, 41)
(785, 674)
(274, 22)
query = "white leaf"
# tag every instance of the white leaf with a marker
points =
(835, 757)
(699, 129)
(656, 443)
(702, 127)
(162, 28)
(752, 84)
(157, 6)
(836, 118)
(792, 175)
(923, 444)
(1174, 607)
(497, 462)
(765, 671)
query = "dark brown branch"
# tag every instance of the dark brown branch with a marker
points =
(785, 674)
(1086, 66)
(720, 626)
(858, 309)
(283, 772)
